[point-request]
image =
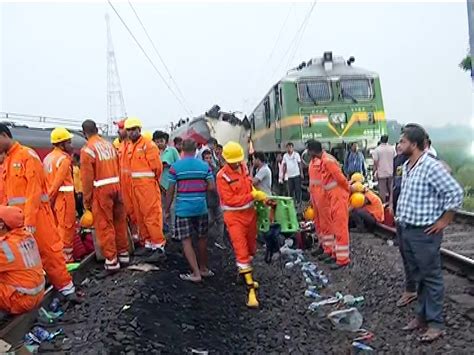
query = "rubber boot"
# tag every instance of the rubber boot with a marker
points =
(252, 301)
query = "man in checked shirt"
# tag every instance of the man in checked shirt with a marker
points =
(428, 200)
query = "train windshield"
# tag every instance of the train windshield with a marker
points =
(356, 89)
(313, 91)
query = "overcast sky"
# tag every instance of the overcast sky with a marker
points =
(53, 56)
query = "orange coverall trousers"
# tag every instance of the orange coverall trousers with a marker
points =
(340, 224)
(65, 212)
(242, 228)
(110, 221)
(13, 302)
(322, 218)
(50, 247)
(148, 209)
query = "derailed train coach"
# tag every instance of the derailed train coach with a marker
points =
(39, 139)
(222, 126)
(328, 99)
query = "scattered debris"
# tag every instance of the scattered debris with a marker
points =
(143, 267)
(346, 319)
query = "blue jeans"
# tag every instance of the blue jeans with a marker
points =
(424, 264)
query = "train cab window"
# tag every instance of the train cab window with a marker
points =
(266, 105)
(314, 91)
(357, 89)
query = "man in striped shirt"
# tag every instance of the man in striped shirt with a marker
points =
(192, 178)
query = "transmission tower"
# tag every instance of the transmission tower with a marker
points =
(115, 104)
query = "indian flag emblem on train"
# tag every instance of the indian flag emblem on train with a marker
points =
(319, 118)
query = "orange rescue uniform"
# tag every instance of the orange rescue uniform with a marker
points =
(145, 173)
(337, 191)
(21, 272)
(234, 188)
(59, 178)
(101, 192)
(375, 206)
(25, 187)
(319, 200)
(126, 179)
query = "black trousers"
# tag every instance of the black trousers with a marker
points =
(79, 204)
(294, 189)
(362, 219)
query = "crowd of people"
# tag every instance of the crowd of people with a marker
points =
(162, 192)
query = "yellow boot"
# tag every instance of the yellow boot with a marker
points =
(252, 301)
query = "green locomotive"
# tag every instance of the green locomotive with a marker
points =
(327, 99)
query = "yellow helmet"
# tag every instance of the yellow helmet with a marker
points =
(59, 135)
(357, 200)
(147, 135)
(357, 177)
(358, 187)
(132, 122)
(87, 219)
(116, 143)
(309, 214)
(233, 152)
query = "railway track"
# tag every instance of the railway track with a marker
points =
(457, 252)
(457, 249)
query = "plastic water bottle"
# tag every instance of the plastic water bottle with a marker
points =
(312, 294)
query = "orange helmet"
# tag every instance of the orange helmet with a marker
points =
(357, 200)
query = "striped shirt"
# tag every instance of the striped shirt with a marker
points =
(190, 175)
(427, 191)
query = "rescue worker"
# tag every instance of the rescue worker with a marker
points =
(236, 195)
(319, 200)
(125, 178)
(336, 189)
(24, 186)
(21, 272)
(145, 172)
(59, 179)
(365, 218)
(102, 196)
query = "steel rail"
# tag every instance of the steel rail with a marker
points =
(452, 261)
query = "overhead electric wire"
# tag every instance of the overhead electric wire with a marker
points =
(150, 60)
(158, 53)
(302, 33)
(293, 41)
(269, 58)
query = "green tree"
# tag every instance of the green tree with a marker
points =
(466, 63)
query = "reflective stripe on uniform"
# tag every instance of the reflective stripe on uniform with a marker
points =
(108, 181)
(8, 252)
(142, 174)
(315, 182)
(13, 201)
(66, 188)
(60, 160)
(33, 291)
(89, 151)
(342, 251)
(330, 185)
(226, 177)
(240, 208)
(242, 265)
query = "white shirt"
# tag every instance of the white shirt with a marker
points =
(432, 151)
(292, 164)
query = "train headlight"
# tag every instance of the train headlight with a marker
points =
(338, 117)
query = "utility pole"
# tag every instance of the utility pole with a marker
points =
(115, 104)
(470, 20)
